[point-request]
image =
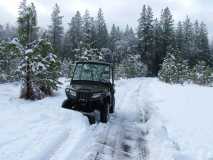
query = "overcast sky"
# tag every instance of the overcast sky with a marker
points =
(120, 12)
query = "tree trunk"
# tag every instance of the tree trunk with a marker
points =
(29, 89)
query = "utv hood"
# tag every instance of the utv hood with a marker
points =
(89, 86)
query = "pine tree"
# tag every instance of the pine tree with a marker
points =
(174, 68)
(145, 36)
(27, 23)
(158, 43)
(27, 27)
(202, 74)
(168, 36)
(129, 36)
(179, 37)
(67, 68)
(1, 32)
(74, 37)
(101, 31)
(196, 37)
(113, 37)
(7, 32)
(9, 61)
(88, 31)
(93, 33)
(211, 48)
(204, 45)
(39, 66)
(34, 29)
(118, 44)
(46, 70)
(188, 42)
(56, 30)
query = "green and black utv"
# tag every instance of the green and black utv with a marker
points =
(91, 90)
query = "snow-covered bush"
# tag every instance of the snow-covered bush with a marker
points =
(67, 68)
(9, 60)
(202, 74)
(107, 55)
(85, 54)
(134, 68)
(174, 69)
(130, 67)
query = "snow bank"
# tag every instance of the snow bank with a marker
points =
(186, 114)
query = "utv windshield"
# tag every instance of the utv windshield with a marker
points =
(92, 72)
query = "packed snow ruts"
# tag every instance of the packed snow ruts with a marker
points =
(120, 140)
(122, 137)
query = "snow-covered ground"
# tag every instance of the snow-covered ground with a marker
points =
(153, 120)
(187, 114)
(34, 130)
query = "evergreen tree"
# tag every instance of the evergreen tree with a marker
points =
(211, 48)
(44, 70)
(145, 36)
(168, 36)
(129, 36)
(158, 51)
(9, 61)
(204, 45)
(56, 30)
(1, 32)
(93, 33)
(47, 69)
(202, 74)
(196, 37)
(7, 32)
(174, 68)
(27, 23)
(179, 37)
(188, 41)
(132, 67)
(113, 37)
(39, 66)
(27, 27)
(101, 31)
(88, 31)
(33, 33)
(74, 37)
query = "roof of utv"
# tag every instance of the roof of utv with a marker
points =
(94, 62)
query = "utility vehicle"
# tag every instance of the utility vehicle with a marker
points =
(91, 90)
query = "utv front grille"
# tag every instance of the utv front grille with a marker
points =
(84, 95)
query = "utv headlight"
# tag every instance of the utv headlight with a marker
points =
(73, 93)
(96, 95)
(70, 92)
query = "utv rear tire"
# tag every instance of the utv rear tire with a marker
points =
(112, 108)
(105, 114)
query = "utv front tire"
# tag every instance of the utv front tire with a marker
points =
(105, 114)
(66, 104)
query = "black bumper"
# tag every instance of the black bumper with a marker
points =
(83, 106)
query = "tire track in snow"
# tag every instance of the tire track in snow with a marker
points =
(123, 139)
